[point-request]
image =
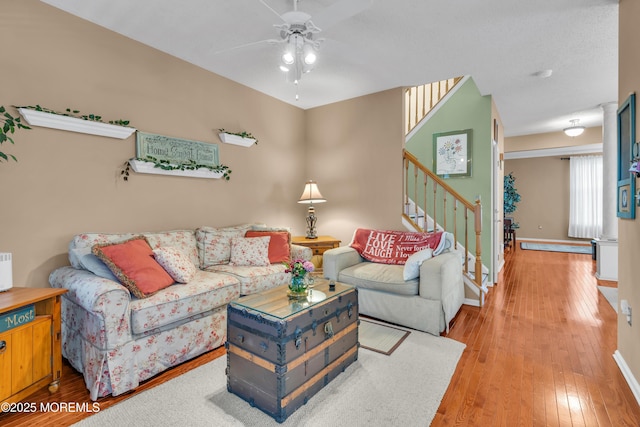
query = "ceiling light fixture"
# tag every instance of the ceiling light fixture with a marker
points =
(543, 74)
(299, 56)
(575, 129)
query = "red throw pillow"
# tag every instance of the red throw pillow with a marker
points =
(279, 245)
(132, 262)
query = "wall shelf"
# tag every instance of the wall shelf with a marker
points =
(74, 124)
(230, 138)
(140, 166)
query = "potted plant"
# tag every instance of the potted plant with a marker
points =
(9, 124)
(244, 139)
(511, 196)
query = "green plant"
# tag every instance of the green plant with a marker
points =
(511, 195)
(165, 165)
(76, 114)
(9, 126)
(240, 134)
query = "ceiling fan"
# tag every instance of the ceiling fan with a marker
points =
(298, 34)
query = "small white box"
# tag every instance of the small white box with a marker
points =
(6, 274)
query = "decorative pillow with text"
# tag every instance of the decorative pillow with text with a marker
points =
(392, 247)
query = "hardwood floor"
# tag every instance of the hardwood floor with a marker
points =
(539, 353)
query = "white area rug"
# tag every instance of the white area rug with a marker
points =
(403, 389)
(611, 295)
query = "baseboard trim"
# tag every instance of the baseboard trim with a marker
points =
(609, 279)
(628, 375)
(571, 242)
(471, 302)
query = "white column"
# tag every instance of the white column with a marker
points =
(609, 171)
(607, 244)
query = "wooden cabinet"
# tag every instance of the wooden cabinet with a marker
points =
(319, 246)
(30, 354)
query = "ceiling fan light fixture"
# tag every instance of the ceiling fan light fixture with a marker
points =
(288, 58)
(575, 129)
(309, 54)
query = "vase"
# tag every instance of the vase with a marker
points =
(298, 287)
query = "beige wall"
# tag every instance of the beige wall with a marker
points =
(355, 154)
(543, 183)
(65, 183)
(629, 230)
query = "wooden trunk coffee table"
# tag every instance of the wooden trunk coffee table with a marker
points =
(280, 352)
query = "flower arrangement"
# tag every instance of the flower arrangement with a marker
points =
(299, 267)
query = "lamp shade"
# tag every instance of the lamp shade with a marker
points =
(311, 194)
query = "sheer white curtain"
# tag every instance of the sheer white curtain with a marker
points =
(585, 208)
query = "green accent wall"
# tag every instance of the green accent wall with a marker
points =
(466, 109)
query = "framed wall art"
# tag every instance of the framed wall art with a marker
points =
(452, 153)
(626, 138)
(625, 200)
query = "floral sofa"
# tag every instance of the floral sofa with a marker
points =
(117, 335)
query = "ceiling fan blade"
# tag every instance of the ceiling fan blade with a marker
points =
(245, 45)
(272, 10)
(339, 11)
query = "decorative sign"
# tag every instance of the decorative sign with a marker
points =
(176, 151)
(15, 318)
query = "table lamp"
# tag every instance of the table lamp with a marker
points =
(311, 195)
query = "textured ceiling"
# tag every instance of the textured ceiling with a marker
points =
(500, 43)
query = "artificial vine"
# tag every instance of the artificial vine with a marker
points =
(8, 125)
(166, 165)
(241, 134)
(76, 114)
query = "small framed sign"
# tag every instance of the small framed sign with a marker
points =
(176, 151)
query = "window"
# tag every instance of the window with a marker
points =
(585, 207)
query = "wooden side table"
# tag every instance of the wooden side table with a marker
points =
(30, 354)
(318, 246)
